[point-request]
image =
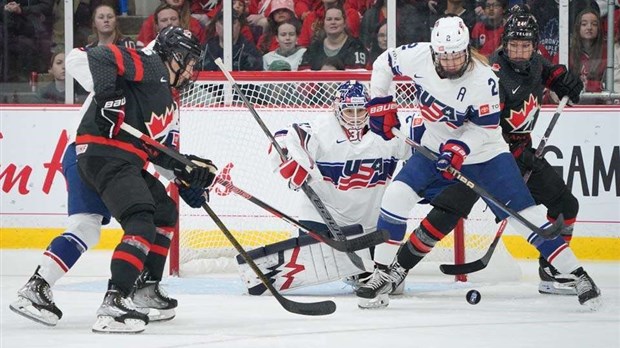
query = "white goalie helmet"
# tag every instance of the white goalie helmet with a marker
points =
(350, 109)
(450, 47)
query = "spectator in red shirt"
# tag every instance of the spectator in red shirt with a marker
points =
(312, 27)
(280, 11)
(165, 16)
(588, 53)
(148, 31)
(487, 33)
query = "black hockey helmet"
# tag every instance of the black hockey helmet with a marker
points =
(521, 25)
(178, 45)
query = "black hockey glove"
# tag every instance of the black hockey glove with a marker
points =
(565, 83)
(194, 197)
(201, 176)
(111, 114)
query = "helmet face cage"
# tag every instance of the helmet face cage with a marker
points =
(350, 109)
(521, 25)
(450, 47)
(181, 46)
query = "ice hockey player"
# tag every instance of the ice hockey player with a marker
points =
(120, 78)
(460, 103)
(349, 168)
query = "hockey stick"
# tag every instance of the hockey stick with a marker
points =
(313, 308)
(543, 141)
(349, 245)
(550, 232)
(481, 263)
(310, 193)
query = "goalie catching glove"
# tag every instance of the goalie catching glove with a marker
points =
(383, 116)
(453, 154)
(200, 177)
(111, 114)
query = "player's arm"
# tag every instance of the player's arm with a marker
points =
(301, 149)
(77, 66)
(561, 81)
(382, 109)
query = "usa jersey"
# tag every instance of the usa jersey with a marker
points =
(466, 109)
(349, 177)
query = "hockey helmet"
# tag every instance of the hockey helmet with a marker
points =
(521, 25)
(450, 47)
(175, 44)
(350, 109)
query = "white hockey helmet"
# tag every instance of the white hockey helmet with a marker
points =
(450, 47)
(350, 109)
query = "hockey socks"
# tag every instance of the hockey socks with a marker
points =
(156, 259)
(62, 253)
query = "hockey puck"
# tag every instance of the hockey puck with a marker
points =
(473, 297)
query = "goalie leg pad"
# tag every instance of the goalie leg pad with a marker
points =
(296, 263)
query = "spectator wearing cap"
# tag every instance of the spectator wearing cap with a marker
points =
(335, 42)
(279, 65)
(287, 50)
(487, 33)
(148, 32)
(312, 27)
(245, 55)
(280, 11)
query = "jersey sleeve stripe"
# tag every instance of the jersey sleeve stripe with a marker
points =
(137, 62)
(118, 57)
(85, 139)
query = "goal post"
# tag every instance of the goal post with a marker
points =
(216, 124)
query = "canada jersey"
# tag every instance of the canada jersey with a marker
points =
(142, 78)
(520, 94)
(466, 109)
(351, 178)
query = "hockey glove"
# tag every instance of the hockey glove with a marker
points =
(201, 176)
(111, 114)
(563, 82)
(383, 116)
(452, 154)
(294, 172)
(194, 197)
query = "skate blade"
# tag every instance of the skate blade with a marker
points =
(107, 324)
(161, 314)
(379, 302)
(594, 304)
(555, 288)
(25, 308)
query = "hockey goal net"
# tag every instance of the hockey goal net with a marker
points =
(216, 124)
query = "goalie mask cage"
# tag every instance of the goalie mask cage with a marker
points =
(217, 125)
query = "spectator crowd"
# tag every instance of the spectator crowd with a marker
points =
(294, 35)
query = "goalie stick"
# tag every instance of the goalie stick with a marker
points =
(550, 232)
(480, 264)
(313, 308)
(310, 193)
(348, 245)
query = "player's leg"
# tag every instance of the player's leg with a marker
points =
(509, 187)
(86, 215)
(124, 191)
(149, 296)
(417, 175)
(548, 188)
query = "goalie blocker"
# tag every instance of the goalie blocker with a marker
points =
(299, 262)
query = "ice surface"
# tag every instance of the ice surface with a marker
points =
(214, 311)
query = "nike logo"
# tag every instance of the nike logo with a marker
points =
(340, 141)
(163, 79)
(516, 89)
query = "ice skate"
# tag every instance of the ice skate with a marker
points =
(374, 294)
(553, 282)
(587, 292)
(150, 298)
(399, 274)
(358, 280)
(118, 314)
(35, 301)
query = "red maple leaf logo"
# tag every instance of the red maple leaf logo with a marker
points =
(296, 268)
(158, 124)
(520, 120)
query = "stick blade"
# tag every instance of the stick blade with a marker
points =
(464, 268)
(311, 309)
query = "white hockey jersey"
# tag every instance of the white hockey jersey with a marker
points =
(467, 108)
(350, 178)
